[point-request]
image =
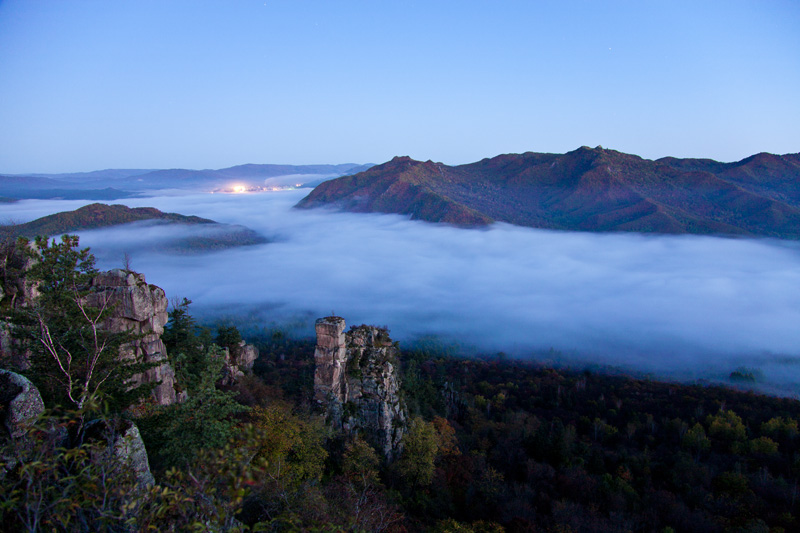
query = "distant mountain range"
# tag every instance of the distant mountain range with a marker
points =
(123, 183)
(588, 189)
(214, 236)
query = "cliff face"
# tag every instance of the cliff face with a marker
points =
(356, 382)
(141, 309)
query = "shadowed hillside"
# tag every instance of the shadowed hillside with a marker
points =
(589, 189)
(96, 216)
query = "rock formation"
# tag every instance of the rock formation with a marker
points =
(140, 309)
(238, 360)
(137, 307)
(356, 382)
(20, 404)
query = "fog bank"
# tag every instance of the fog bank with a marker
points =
(684, 306)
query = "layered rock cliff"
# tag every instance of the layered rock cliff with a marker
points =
(141, 309)
(356, 382)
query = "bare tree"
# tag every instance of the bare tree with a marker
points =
(126, 262)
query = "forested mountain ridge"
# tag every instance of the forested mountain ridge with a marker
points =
(96, 216)
(588, 189)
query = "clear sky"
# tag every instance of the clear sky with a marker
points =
(87, 85)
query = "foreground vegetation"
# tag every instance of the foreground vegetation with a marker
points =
(492, 445)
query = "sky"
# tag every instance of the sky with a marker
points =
(684, 307)
(88, 85)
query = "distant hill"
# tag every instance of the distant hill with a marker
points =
(96, 216)
(588, 189)
(254, 175)
(112, 184)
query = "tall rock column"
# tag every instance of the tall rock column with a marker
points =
(356, 383)
(330, 357)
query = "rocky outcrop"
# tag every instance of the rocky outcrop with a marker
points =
(356, 382)
(238, 360)
(137, 307)
(141, 309)
(20, 404)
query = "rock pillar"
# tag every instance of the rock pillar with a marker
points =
(330, 357)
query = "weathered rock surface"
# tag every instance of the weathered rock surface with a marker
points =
(330, 358)
(20, 404)
(238, 360)
(356, 382)
(141, 309)
(127, 446)
(20, 407)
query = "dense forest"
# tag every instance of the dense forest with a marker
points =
(492, 444)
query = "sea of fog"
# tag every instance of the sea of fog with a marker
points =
(683, 307)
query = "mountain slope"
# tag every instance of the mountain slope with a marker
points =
(586, 189)
(400, 186)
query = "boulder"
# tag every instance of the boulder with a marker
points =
(20, 404)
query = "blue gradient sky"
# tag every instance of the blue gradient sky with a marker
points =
(87, 85)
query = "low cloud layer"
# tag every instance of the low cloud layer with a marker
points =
(681, 306)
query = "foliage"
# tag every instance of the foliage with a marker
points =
(175, 434)
(48, 485)
(188, 348)
(548, 449)
(780, 428)
(228, 336)
(420, 445)
(726, 426)
(696, 440)
(285, 365)
(207, 494)
(89, 488)
(12, 268)
(293, 448)
(363, 505)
